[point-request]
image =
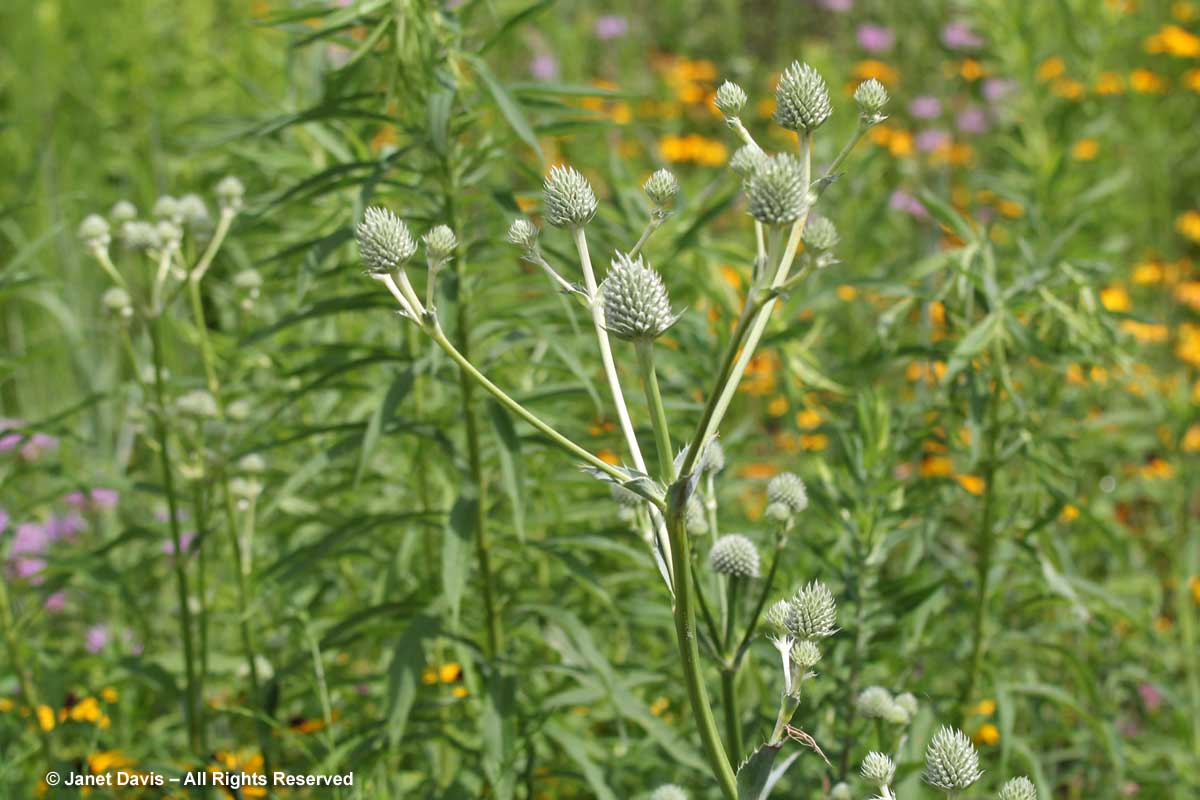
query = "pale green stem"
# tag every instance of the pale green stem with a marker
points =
(101, 255)
(214, 244)
(787, 709)
(651, 227)
(658, 414)
(206, 351)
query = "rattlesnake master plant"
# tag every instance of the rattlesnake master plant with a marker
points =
(951, 763)
(718, 602)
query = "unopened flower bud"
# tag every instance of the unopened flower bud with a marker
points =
(230, 194)
(1018, 789)
(871, 97)
(730, 98)
(440, 243)
(806, 654)
(524, 234)
(777, 616)
(801, 99)
(661, 187)
(814, 612)
(951, 763)
(568, 197)
(734, 555)
(169, 234)
(94, 232)
(820, 234)
(788, 489)
(841, 791)
(384, 241)
(776, 191)
(713, 457)
(878, 770)
(636, 305)
(122, 211)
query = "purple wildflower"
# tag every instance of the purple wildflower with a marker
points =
(995, 89)
(97, 638)
(29, 568)
(925, 107)
(9, 441)
(972, 119)
(611, 26)
(30, 538)
(56, 602)
(931, 139)
(67, 526)
(37, 446)
(3, 520)
(98, 499)
(959, 36)
(1151, 696)
(837, 6)
(544, 67)
(185, 541)
(875, 38)
(903, 201)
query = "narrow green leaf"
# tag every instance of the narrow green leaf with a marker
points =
(456, 548)
(404, 674)
(509, 107)
(397, 391)
(511, 472)
(752, 776)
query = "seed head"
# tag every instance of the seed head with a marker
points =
(871, 97)
(636, 305)
(806, 654)
(384, 241)
(802, 99)
(166, 207)
(230, 194)
(776, 191)
(874, 702)
(568, 197)
(734, 555)
(1018, 789)
(788, 489)
(116, 301)
(122, 211)
(820, 234)
(440, 243)
(669, 791)
(878, 770)
(94, 232)
(814, 612)
(193, 211)
(730, 98)
(748, 160)
(951, 763)
(661, 187)
(523, 234)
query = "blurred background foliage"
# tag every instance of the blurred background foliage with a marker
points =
(992, 395)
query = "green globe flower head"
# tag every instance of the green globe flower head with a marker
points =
(806, 654)
(1018, 789)
(122, 211)
(661, 187)
(384, 241)
(814, 612)
(440, 243)
(193, 212)
(841, 791)
(878, 770)
(167, 207)
(951, 763)
(907, 701)
(874, 702)
(116, 301)
(230, 194)
(802, 99)
(94, 232)
(569, 199)
(734, 555)
(669, 791)
(748, 160)
(788, 490)
(871, 97)
(139, 235)
(636, 305)
(777, 616)
(776, 191)
(524, 234)
(820, 234)
(730, 99)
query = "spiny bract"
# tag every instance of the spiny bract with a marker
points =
(661, 187)
(735, 555)
(801, 99)
(523, 234)
(951, 763)
(820, 234)
(384, 240)
(730, 98)
(636, 305)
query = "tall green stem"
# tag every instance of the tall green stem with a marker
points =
(733, 724)
(658, 414)
(180, 563)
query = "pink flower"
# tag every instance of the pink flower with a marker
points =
(875, 38)
(995, 89)
(29, 568)
(972, 119)
(611, 26)
(925, 107)
(959, 36)
(544, 67)
(185, 541)
(30, 538)
(903, 201)
(98, 499)
(38, 445)
(56, 602)
(67, 526)
(97, 638)
(3, 520)
(9, 441)
(931, 139)
(1151, 696)
(837, 6)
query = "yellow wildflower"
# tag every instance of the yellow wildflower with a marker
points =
(1115, 298)
(1188, 293)
(105, 760)
(846, 293)
(449, 673)
(986, 707)
(1051, 68)
(660, 705)
(814, 441)
(1085, 149)
(1174, 40)
(873, 68)
(808, 418)
(1191, 80)
(972, 483)
(1067, 88)
(1069, 513)
(109, 695)
(970, 69)
(1191, 439)
(1183, 11)
(936, 467)
(987, 734)
(45, 717)
(1188, 224)
(1146, 273)
(1145, 332)
(1109, 83)
(1146, 82)
(609, 457)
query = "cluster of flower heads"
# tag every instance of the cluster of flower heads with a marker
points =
(27, 447)
(876, 702)
(799, 623)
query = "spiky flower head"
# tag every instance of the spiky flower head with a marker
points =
(661, 187)
(801, 99)
(669, 791)
(777, 616)
(734, 555)
(820, 234)
(776, 191)
(440, 243)
(169, 233)
(569, 199)
(713, 457)
(730, 98)
(908, 702)
(166, 207)
(748, 160)
(230, 194)
(384, 241)
(896, 714)
(871, 97)
(951, 763)
(116, 301)
(814, 612)
(524, 234)
(788, 489)
(841, 791)
(1018, 789)
(193, 211)
(94, 232)
(806, 654)
(122, 211)
(874, 702)
(878, 770)
(139, 235)
(636, 305)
